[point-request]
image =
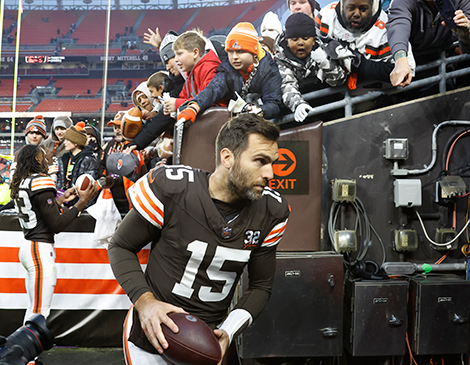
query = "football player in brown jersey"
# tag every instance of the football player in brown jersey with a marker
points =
(206, 227)
(41, 215)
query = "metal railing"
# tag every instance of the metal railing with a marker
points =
(347, 102)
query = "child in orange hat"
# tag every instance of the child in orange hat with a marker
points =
(249, 79)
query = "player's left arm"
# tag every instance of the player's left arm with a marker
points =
(261, 269)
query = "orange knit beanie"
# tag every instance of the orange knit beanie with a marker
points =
(244, 37)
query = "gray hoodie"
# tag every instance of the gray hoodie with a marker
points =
(52, 143)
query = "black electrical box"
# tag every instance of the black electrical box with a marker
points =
(439, 312)
(303, 317)
(375, 317)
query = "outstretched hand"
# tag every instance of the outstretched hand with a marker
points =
(153, 38)
(401, 74)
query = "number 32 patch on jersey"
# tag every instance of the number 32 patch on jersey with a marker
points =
(251, 239)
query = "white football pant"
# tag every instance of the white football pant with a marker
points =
(38, 258)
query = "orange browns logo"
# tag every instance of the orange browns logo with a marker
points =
(151, 178)
(119, 164)
(286, 164)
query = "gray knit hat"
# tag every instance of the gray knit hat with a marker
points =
(62, 121)
(166, 47)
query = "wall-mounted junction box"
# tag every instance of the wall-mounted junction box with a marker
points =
(407, 192)
(406, 240)
(344, 190)
(449, 187)
(396, 148)
(345, 241)
(444, 235)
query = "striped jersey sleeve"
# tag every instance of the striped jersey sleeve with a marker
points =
(275, 236)
(42, 183)
(146, 203)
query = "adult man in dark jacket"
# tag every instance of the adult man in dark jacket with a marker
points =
(419, 23)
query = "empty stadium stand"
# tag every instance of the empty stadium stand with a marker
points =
(70, 105)
(19, 107)
(26, 86)
(115, 107)
(88, 31)
(226, 16)
(165, 20)
(73, 87)
(36, 30)
(89, 52)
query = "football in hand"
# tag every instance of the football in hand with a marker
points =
(195, 343)
(82, 183)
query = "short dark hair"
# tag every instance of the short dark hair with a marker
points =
(235, 132)
(157, 79)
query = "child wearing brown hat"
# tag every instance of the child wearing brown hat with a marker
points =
(78, 159)
(249, 76)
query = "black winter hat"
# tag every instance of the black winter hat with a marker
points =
(299, 25)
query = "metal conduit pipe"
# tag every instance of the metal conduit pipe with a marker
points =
(403, 172)
(408, 268)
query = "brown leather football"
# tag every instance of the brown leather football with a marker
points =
(194, 344)
(131, 123)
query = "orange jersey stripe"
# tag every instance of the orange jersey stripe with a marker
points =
(125, 340)
(37, 301)
(150, 214)
(152, 203)
(379, 52)
(42, 183)
(42, 186)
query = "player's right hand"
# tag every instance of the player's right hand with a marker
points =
(152, 314)
(401, 74)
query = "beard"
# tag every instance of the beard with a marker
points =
(362, 24)
(241, 186)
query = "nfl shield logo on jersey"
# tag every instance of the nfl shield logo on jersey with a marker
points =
(226, 232)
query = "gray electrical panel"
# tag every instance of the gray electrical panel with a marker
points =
(375, 317)
(439, 312)
(303, 317)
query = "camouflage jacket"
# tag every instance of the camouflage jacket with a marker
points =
(319, 67)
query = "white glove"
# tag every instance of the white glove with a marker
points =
(236, 106)
(301, 112)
